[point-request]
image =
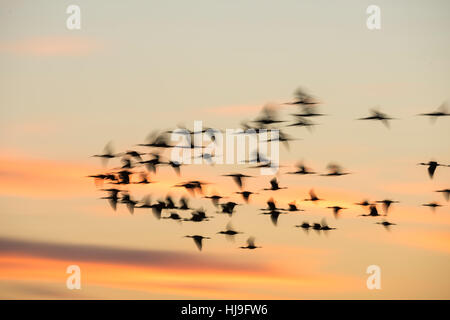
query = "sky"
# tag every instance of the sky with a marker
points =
(139, 66)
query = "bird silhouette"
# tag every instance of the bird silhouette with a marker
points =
(113, 197)
(198, 240)
(107, 154)
(301, 169)
(312, 196)
(432, 165)
(126, 198)
(267, 117)
(432, 205)
(336, 210)
(214, 199)
(302, 98)
(198, 215)
(440, 112)
(250, 244)
(364, 203)
(157, 140)
(373, 212)
(324, 226)
(274, 185)
(143, 179)
(229, 231)
(445, 192)
(184, 204)
(173, 216)
(386, 224)
(228, 207)
(379, 116)
(246, 195)
(334, 170)
(387, 204)
(292, 207)
(238, 178)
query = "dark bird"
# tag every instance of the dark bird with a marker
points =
(334, 170)
(228, 207)
(250, 244)
(100, 178)
(229, 231)
(324, 226)
(192, 186)
(124, 177)
(445, 192)
(305, 225)
(302, 169)
(113, 197)
(198, 215)
(271, 206)
(173, 216)
(373, 212)
(176, 166)
(169, 203)
(282, 137)
(274, 185)
(184, 204)
(267, 117)
(432, 205)
(274, 215)
(152, 163)
(386, 224)
(238, 178)
(107, 154)
(302, 98)
(215, 199)
(364, 203)
(303, 122)
(293, 207)
(313, 196)
(156, 140)
(129, 202)
(134, 154)
(440, 112)
(336, 210)
(378, 115)
(386, 204)
(198, 240)
(432, 165)
(143, 179)
(246, 195)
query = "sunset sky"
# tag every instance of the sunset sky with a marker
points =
(138, 66)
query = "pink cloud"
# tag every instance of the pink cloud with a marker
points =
(51, 46)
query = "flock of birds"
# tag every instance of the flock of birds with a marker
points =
(151, 159)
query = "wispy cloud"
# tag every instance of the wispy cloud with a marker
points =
(51, 46)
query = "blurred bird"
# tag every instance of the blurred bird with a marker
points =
(156, 140)
(129, 202)
(302, 98)
(364, 203)
(373, 212)
(229, 231)
(228, 207)
(445, 192)
(432, 205)
(432, 165)
(238, 178)
(386, 204)
(293, 207)
(274, 185)
(113, 197)
(268, 116)
(107, 154)
(440, 112)
(246, 195)
(198, 240)
(312, 196)
(250, 244)
(334, 170)
(336, 210)
(215, 199)
(378, 115)
(386, 224)
(302, 169)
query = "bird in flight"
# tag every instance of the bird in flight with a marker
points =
(250, 244)
(238, 178)
(373, 212)
(302, 169)
(302, 98)
(432, 205)
(229, 231)
(246, 195)
(387, 204)
(445, 192)
(274, 185)
(378, 115)
(312, 196)
(198, 240)
(336, 210)
(334, 170)
(440, 112)
(107, 154)
(432, 166)
(386, 224)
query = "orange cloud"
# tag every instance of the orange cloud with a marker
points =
(51, 46)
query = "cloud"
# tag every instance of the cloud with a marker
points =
(114, 255)
(51, 46)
